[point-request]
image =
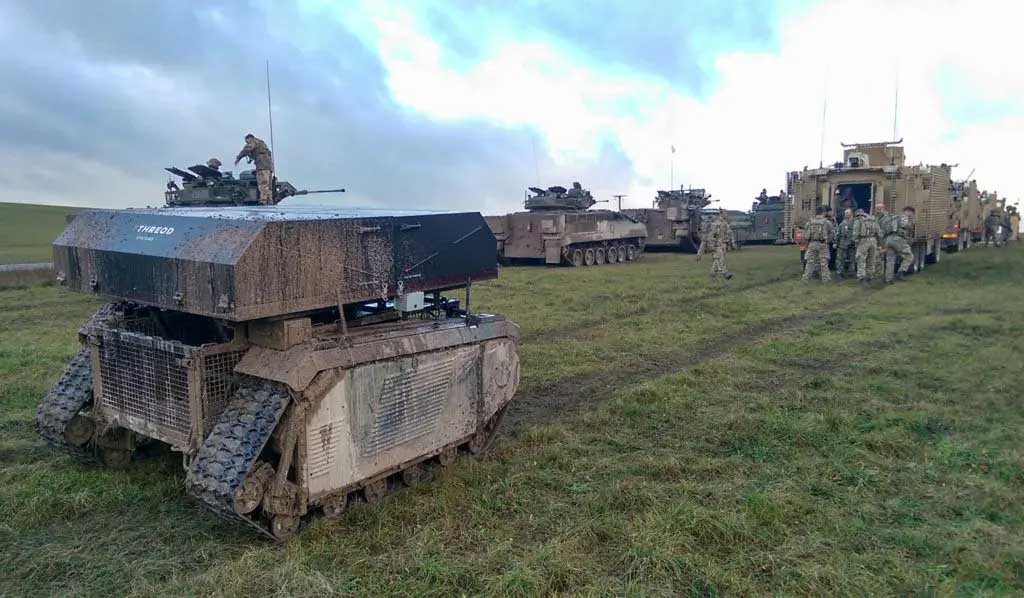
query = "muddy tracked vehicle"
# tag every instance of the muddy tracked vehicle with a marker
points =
(674, 221)
(298, 359)
(206, 186)
(558, 228)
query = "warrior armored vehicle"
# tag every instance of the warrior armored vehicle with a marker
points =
(206, 185)
(558, 228)
(674, 220)
(869, 174)
(767, 217)
(299, 359)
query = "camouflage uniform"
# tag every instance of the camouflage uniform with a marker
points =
(819, 233)
(715, 241)
(992, 224)
(896, 229)
(846, 248)
(257, 151)
(867, 236)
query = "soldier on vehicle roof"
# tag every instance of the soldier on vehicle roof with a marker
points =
(256, 151)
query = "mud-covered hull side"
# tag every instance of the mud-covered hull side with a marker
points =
(670, 229)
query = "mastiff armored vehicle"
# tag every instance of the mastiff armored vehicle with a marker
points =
(206, 185)
(674, 220)
(299, 359)
(872, 173)
(559, 228)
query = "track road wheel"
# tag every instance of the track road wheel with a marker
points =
(251, 492)
(334, 506)
(622, 253)
(447, 457)
(484, 437)
(612, 255)
(375, 491)
(599, 256)
(415, 475)
(577, 257)
(631, 253)
(79, 431)
(284, 526)
(589, 257)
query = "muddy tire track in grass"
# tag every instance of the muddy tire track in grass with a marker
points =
(560, 399)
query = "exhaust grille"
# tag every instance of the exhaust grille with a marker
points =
(409, 406)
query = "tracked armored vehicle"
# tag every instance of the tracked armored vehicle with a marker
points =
(767, 217)
(559, 228)
(869, 174)
(299, 359)
(674, 220)
(206, 186)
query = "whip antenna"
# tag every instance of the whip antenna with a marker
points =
(270, 114)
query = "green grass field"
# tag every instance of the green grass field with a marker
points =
(670, 437)
(26, 231)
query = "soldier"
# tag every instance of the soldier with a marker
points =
(832, 244)
(256, 150)
(213, 164)
(715, 241)
(867, 236)
(846, 246)
(896, 232)
(819, 233)
(992, 228)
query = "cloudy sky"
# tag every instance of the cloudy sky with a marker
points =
(463, 104)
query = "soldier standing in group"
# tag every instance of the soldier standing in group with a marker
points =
(896, 231)
(715, 240)
(819, 233)
(846, 246)
(992, 232)
(867, 237)
(256, 150)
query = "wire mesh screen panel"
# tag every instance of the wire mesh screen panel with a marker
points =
(218, 384)
(145, 382)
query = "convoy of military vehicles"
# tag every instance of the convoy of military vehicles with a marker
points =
(304, 358)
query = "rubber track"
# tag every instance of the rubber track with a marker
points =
(233, 446)
(71, 393)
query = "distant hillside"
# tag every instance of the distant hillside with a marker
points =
(27, 230)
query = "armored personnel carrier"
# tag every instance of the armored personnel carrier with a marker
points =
(558, 228)
(965, 221)
(299, 359)
(674, 220)
(767, 218)
(871, 173)
(208, 186)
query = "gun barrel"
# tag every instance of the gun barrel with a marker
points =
(307, 191)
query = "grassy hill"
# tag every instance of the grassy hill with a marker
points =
(670, 438)
(26, 231)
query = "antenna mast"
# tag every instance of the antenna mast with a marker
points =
(270, 114)
(895, 106)
(824, 111)
(619, 198)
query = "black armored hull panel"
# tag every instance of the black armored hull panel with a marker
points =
(245, 263)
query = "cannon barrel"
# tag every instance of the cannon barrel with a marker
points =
(308, 192)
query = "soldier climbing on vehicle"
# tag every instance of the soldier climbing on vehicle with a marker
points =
(716, 242)
(867, 236)
(896, 231)
(257, 152)
(819, 233)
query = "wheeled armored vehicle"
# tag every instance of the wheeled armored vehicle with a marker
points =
(674, 220)
(558, 228)
(298, 359)
(872, 173)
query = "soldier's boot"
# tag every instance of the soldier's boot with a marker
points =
(728, 275)
(900, 276)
